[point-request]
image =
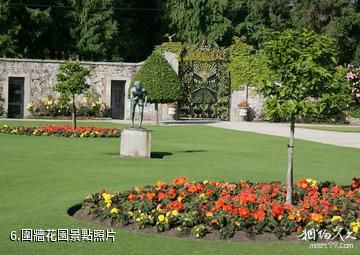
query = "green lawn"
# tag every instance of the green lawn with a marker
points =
(41, 177)
(334, 128)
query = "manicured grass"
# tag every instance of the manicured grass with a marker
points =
(41, 177)
(334, 128)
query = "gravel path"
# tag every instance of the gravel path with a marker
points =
(344, 139)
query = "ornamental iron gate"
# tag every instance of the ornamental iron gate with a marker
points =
(207, 89)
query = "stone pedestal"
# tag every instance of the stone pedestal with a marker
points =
(135, 142)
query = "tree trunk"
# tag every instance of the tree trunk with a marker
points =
(73, 112)
(156, 114)
(289, 177)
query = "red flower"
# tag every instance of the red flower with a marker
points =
(277, 210)
(259, 215)
(244, 212)
(175, 205)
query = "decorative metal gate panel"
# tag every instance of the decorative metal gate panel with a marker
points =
(207, 90)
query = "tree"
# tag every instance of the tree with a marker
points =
(252, 19)
(97, 29)
(304, 65)
(160, 81)
(71, 81)
(338, 19)
(196, 20)
(8, 30)
(246, 66)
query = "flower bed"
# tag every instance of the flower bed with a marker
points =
(63, 130)
(198, 208)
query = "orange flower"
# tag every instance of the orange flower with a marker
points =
(172, 193)
(209, 214)
(316, 217)
(132, 197)
(192, 189)
(150, 195)
(161, 195)
(209, 193)
(244, 212)
(292, 217)
(259, 215)
(303, 183)
(179, 181)
(219, 203)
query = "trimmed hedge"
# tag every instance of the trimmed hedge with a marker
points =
(160, 80)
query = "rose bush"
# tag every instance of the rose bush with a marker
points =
(63, 130)
(198, 208)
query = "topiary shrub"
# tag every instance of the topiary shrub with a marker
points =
(160, 81)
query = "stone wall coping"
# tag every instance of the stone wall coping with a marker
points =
(62, 61)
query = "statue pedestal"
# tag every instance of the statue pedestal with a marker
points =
(135, 142)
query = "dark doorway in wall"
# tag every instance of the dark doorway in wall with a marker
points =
(16, 97)
(117, 99)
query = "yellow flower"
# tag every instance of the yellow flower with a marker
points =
(202, 195)
(355, 227)
(312, 182)
(6, 126)
(137, 189)
(138, 219)
(114, 210)
(175, 212)
(179, 199)
(161, 217)
(168, 214)
(130, 214)
(336, 218)
(107, 199)
(205, 182)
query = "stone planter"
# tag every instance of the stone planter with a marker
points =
(243, 113)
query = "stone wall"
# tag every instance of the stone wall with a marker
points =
(256, 103)
(40, 78)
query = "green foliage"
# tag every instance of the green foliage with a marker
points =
(253, 19)
(71, 79)
(246, 66)
(308, 82)
(195, 20)
(174, 47)
(338, 19)
(204, 54)
(160, 80)
(97, 29)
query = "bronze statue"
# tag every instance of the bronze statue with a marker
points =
(138, 97)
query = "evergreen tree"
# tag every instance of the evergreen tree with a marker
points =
(338, 19)
(195, 20)
(9, 30)
(97, 29)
